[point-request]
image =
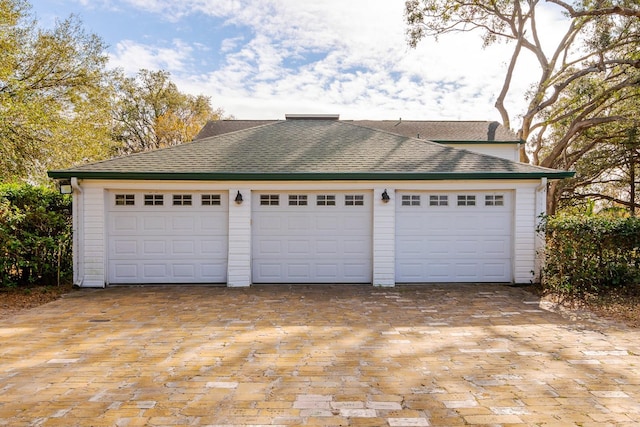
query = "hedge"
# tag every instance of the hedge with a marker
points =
(35, 236)
(590, 254)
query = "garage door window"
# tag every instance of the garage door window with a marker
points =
(326, 200)
(439, 200)
(153, 199)
(297, 200)
(125, 199)
(494, 200)
(182, 200)
(354, 200)
(410, 200)
(210, 200)
(269, 199)
(466, 200)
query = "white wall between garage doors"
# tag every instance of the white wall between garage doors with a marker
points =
(175, 243)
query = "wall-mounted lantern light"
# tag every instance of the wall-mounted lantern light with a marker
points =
(385, 196)
(238, 198)
(65, 186)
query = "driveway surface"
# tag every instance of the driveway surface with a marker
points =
(433, 355)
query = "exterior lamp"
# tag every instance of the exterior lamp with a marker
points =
(385, 196)
(238, 198)
(65, 187)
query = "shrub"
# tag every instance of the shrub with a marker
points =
(35, 236)
(591, 254)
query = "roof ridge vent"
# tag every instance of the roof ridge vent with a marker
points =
(312, 116)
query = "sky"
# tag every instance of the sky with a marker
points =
(262, 59)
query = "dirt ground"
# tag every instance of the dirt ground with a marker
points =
(623, 307)
(13, 300)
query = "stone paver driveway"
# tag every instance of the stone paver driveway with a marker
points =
(326, 355)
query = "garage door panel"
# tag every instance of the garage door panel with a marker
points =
(328, 223)
(183, 247)
(154, 248)
(269, 271)
(167, 243)
(437, 248)
(298, 222)
(269, 223)
(125, 248)
(448, 243)
(495, 271)
(124, 223)
(297, 247)
(126, 273)
(301, 271)
(325, 247)
(326, 271)
(410, 246)
(412, 271)
(184, 271)
(154, 271)
(271, 248)
(355, 248)
(153, 223)
(356, 270)
(495, 248)
(182, 224)
(213, 272)
(466, 247)
(318, 240)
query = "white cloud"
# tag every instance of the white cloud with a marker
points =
(335, 56)
(132, 56)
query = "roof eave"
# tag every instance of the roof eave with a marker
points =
(306, 176)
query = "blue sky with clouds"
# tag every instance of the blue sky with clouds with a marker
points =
(260, 59)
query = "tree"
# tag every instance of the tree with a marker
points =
(151, 113)
(592, 69)
(54, 95)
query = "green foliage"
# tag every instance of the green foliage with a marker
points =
(55, 95)
(152, 113)
(591, 254)
(35, 236)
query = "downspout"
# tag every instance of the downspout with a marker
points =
(78, 232)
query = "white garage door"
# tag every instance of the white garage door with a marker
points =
(177, 237)
(454, 237)
(307, 237)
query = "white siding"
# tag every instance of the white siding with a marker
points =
(504, 151)
(94, 237)
(524, 234)
(239, 261)
(384, 236)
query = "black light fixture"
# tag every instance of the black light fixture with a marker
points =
(385, 196)
(65, 187)
(238, 198)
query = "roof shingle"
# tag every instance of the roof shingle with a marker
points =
(304, 148)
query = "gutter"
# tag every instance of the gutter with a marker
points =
(305, 176)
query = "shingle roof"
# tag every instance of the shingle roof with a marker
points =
(439, 131)
(308, 149)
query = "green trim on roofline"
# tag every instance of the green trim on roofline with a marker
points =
(449, 141)
(301, 176)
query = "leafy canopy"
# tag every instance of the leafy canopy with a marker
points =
(152, 113)
(55, 95)
(587, 81)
